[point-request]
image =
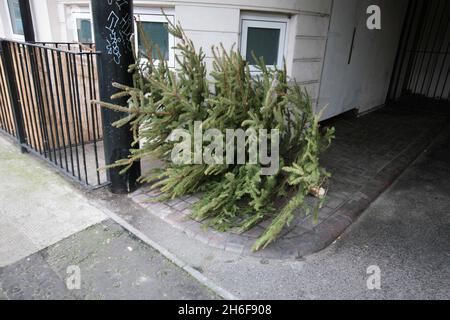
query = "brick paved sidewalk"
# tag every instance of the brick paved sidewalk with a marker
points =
(368, 155)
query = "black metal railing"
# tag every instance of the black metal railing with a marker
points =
(422, 66)
(46, 91)
(7, 123)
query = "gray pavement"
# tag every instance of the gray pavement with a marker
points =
(37, 207)
(112, 263)
(48, 227)
(405, 232)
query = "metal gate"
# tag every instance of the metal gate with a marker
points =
(46, 91)
(422, 65)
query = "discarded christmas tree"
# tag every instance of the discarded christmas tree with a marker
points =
(234, 195)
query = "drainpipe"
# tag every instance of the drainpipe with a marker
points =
(27, 20)
(113, 31)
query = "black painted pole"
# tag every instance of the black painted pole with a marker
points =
(113, 29)
(27, 20)
(29, 35)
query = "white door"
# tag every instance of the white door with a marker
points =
(359, 62)
(337, 88)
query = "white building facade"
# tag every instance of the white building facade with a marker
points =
(313, 36)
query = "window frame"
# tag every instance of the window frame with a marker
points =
(265, 21)
(156, 15)
(81, 16)
(15, 36)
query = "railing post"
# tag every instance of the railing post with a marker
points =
(113, 29)
(13, 92)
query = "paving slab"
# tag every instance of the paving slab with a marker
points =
(38, 208)
(113, 264)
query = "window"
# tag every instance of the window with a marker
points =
(84, 30)
(263, 36)
(79, 24)
(157, 34)
(155, 28)
(16, 17)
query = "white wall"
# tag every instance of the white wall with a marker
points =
(62, 22)
(309, 48)
(214, 22)
(216, 25)
(362, 84)
(42, 19)
(42, 23)
(5, 22)
(2, 21)
(211, 22)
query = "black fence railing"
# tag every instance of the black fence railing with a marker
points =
(7, 122)
(46, 91)
(422, 66)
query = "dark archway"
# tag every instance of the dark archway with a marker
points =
(423, 60)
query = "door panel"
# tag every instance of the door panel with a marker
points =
(359, 77)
